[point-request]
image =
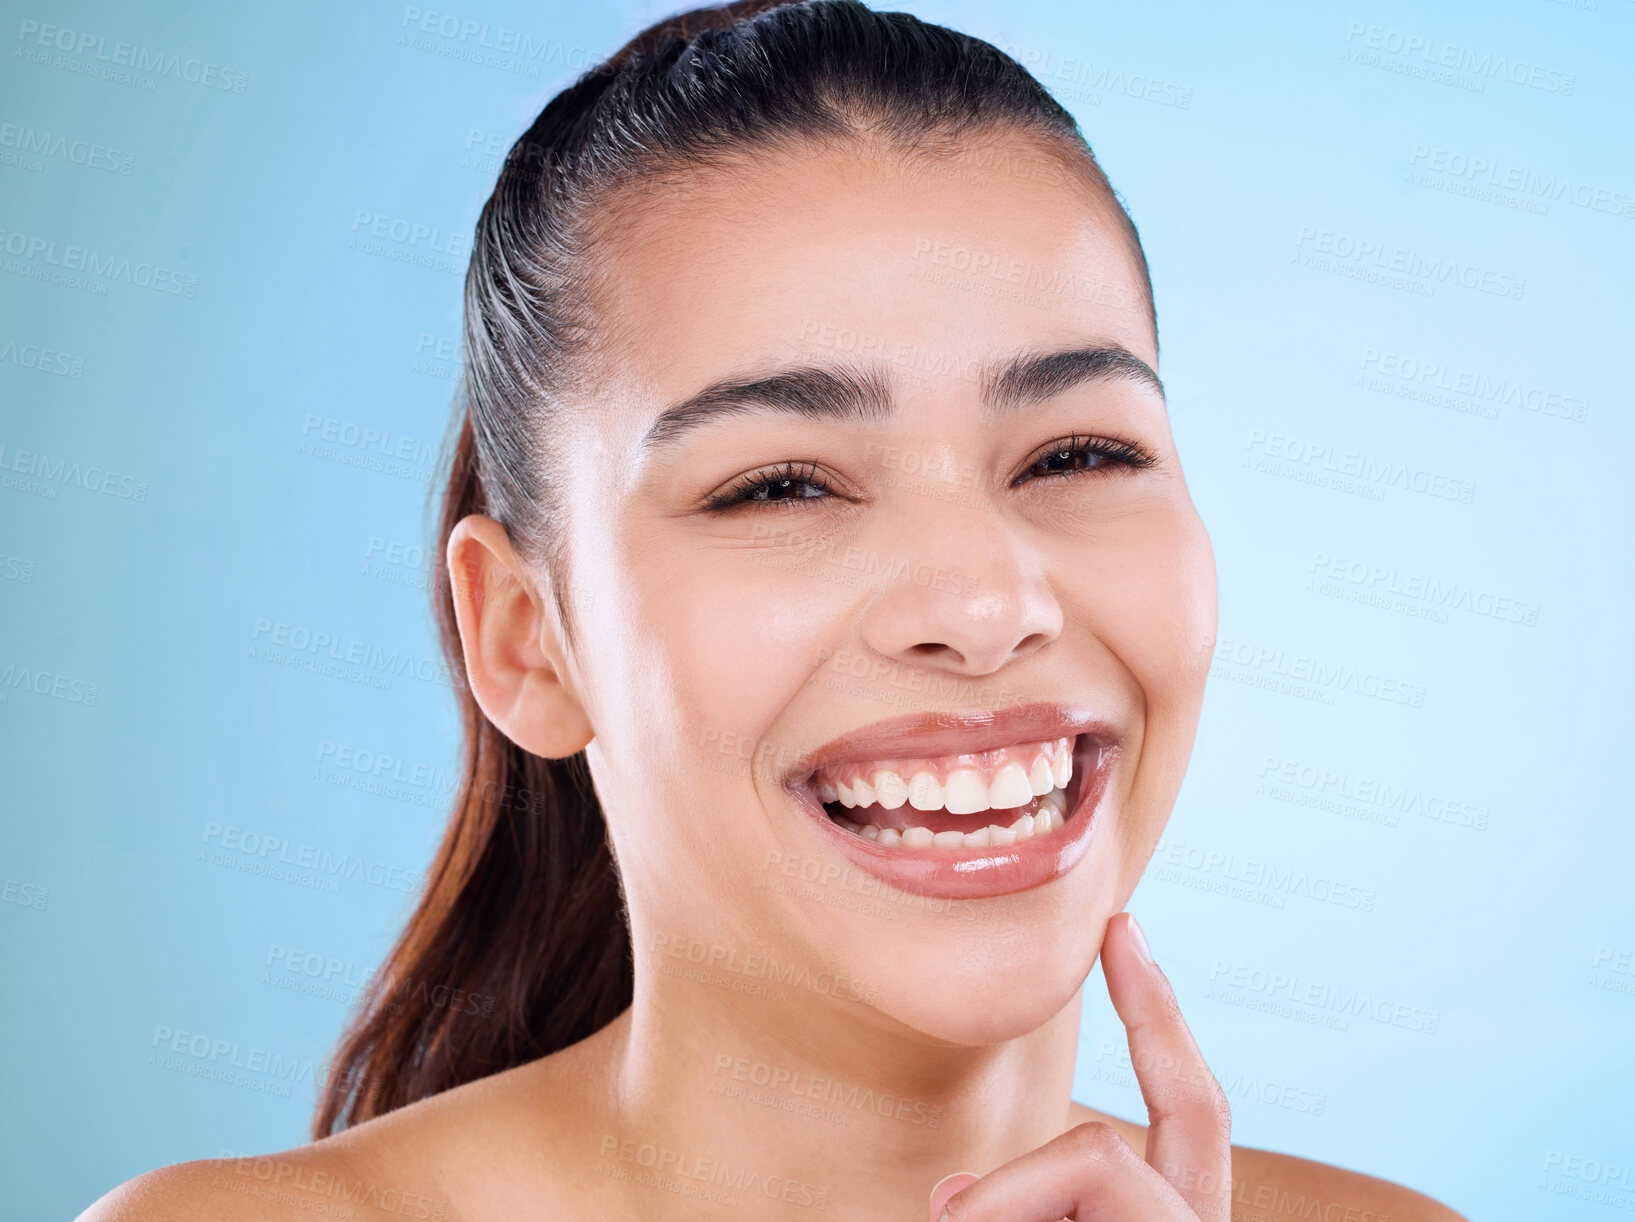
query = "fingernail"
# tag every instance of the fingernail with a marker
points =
(1141, 941)
(946, 1187)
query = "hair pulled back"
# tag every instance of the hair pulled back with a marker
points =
(519, 945)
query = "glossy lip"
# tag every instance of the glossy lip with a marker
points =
(974, 873)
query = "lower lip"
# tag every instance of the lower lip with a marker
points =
(981, 873)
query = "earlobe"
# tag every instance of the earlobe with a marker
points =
(512, 642)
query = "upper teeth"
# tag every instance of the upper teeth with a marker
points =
(1026, 772)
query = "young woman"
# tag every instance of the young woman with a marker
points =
(835, 622)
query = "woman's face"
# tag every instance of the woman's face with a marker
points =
(926, 520)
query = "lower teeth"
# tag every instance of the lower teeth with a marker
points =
(1051, 815)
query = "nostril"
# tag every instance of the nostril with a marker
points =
(1030, 643)
(932, 650)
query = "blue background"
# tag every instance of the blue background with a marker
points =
(1378, 981)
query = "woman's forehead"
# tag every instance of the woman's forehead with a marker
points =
(814, 256)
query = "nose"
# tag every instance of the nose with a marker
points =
(968, 593)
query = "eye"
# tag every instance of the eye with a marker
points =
(787, 483)
(1077, 455)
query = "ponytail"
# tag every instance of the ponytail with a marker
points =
(519, 944)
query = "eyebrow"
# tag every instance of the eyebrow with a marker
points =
(862, 394)
(1035, 377)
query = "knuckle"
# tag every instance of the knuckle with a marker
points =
(1095, 1139)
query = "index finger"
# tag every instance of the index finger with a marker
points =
(1189, 1135)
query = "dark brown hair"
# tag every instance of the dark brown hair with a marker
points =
(519, 945)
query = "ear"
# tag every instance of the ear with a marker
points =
(512, 640)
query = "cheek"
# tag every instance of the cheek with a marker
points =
(722, 645)
(1155, 611)
(1149, 597)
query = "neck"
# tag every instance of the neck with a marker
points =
(798, 1100)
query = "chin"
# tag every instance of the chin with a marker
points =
(980, 972)
(984, 1008)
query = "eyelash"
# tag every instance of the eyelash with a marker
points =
(741, 491)
(747, 489)
(1111, 449)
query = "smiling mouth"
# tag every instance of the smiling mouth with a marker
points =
(976, 800)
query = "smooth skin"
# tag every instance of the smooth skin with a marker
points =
(931, 557)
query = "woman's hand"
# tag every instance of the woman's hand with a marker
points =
(1090, 1172)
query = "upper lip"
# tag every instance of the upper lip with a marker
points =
(960, 732)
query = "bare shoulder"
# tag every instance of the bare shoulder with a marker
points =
(1269, 1187)
(430, 1161)
(232, 1190)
